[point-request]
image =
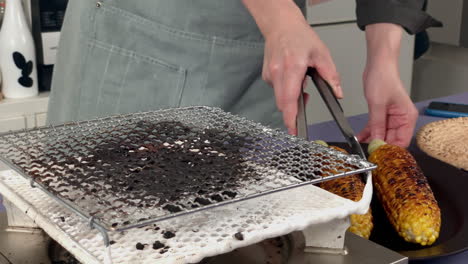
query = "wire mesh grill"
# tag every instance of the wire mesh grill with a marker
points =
(129, 170)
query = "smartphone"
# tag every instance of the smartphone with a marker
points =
(442, 109)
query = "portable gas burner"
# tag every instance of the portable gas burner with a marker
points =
(177, 186)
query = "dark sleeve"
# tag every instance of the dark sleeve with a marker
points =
(407, 13)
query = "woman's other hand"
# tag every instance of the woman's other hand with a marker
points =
(392, 114)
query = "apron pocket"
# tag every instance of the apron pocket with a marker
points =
(122, 81)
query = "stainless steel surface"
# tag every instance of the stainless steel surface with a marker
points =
(326, 237)
(272, 251)
(22, 247)
(291, 251)
(301, 120)
(64, 162)
(25, 248)
(359, 250)
(336, 110)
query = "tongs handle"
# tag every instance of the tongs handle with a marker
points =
(328, 96)
(301, 119)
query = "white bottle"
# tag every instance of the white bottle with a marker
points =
(17, 54)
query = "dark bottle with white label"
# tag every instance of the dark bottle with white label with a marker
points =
(17, 53)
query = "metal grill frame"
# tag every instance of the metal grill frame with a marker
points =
(241, 122)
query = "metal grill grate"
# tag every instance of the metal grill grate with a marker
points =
(130, 170)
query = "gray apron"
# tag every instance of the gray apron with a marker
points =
(121, 56)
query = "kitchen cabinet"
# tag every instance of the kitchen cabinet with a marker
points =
(347, 45)
(40, 119)
(454, 16)
(331, 12)
(23, 113)
(12, 123)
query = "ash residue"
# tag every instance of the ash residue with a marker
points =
(164, 164)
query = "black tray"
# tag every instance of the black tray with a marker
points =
(450, 187)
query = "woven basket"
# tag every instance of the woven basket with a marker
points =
(446, 140)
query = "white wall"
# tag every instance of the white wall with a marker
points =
(440, 72)
(348, 48)
(450, 13)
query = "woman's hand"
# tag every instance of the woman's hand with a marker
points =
(288, 53)
(392, 114)
(291, 46)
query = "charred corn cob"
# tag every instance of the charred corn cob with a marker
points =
(404, 193)
(351, 187)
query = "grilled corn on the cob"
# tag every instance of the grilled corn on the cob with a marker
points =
(404, 193)
(351, 187)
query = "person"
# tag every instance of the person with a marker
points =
(120, 56)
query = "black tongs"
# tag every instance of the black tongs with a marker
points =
(335, 109)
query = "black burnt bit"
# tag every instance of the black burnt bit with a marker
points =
(239, 236)
(229, 193)
(172, 208)
(202, 201)
(168, 235)
(217, 198)
(158, 245)
(140, 246)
